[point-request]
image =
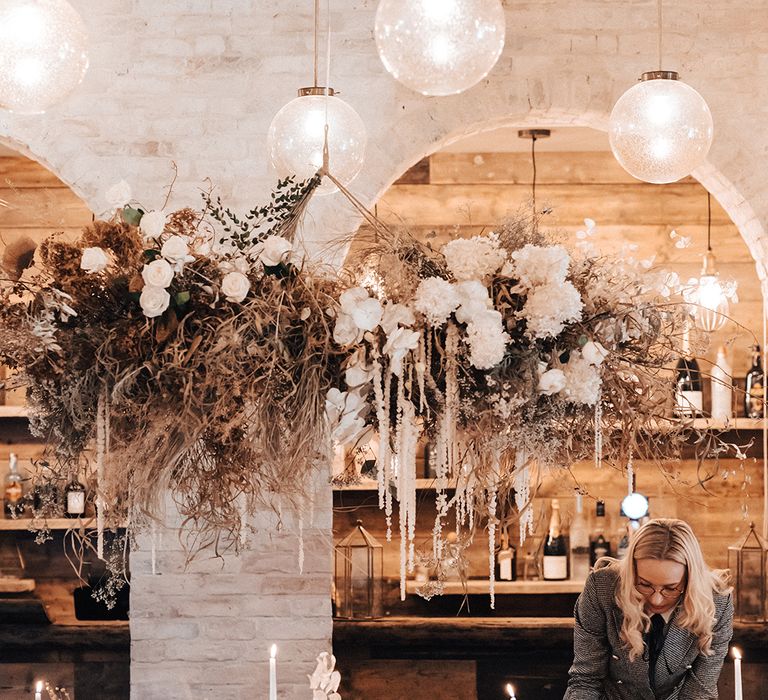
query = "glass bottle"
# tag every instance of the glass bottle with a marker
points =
(755, 389)
(555, 551)
(506, 560)
(74, 498)
(599, 546)
(13, 493)
(579, 540)
(689, 398)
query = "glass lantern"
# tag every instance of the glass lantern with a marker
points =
(747, 563)
(359, 566)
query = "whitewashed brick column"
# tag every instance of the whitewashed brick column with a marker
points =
(203, 630)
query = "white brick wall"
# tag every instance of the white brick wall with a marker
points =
(198, 81)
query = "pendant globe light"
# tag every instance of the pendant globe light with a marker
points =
(43, 53)
(439, 47)
(660, 130)
(317, 129)
(710, 295)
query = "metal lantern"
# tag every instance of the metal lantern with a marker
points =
(748, 564)
(359, 566)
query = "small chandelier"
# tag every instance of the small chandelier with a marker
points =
(660, 130)
(709, 294)
(43, 54)
(317, 129)
(439, 47)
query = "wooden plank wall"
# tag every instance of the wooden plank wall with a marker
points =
(462, 194)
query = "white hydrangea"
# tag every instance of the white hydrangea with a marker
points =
(437, 299)
(582, 380)
(474, 258)
(473, 300)
(487, 340)
(535, 266)
(548, 308)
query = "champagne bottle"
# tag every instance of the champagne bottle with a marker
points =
(506, 560)
(598, 545)
(755, 391)
(689, 399)
(555, 551)
(74, 498)
(14, 491)
(579, 537)
(722, 388)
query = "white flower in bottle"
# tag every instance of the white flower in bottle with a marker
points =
(158, 273)
(275, 251)
(235, 286)
(94, 260)
(154, 300)
(152, 224)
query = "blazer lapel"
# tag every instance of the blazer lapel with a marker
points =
(675, 651)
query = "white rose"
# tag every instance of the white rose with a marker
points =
(152, 224)
(235, 286)
(158, 273)
(154, 300)
(594, 353)
(119, 195)
(351, 298)
(94, 260)
(275, 251)
(176, 250)
(551, 382)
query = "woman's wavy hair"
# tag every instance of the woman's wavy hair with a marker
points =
(667, 538)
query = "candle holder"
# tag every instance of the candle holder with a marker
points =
(748, 563)
(359, 566)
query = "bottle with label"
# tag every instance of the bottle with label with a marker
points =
(755, 390)
(506, 560)
(689, 398)
(599, 546)
(623, 539)
(74, 499)
(579, 538)
(13, 493)
(555, 550)
(722, 387)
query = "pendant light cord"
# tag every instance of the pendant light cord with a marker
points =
(533, 184)
(314, 65)
(709, 222)
(659, 19)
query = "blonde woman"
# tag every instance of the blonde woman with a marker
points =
(655, 625)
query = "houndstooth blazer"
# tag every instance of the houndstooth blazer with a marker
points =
(602, 670)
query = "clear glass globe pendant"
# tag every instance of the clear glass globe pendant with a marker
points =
(710, 299)
(439, 47)
(660, 130)
(43, 53)
(297, 135)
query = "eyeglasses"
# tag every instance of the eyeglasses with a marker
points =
(665, 591)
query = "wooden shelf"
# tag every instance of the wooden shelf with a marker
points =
(16, 585)
(21, 524)
(481, 587)
(14, 412)
(371, 485)
(733, 424)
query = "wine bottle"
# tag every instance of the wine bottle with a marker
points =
(722, 388)
(506, 560)
(74, 498)
(579, 537)
(14, 491)
(598, 545)
(689, 399)
(555, 551)
(755, 390)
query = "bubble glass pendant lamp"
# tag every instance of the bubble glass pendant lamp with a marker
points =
(43, 53)
(439, 47)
